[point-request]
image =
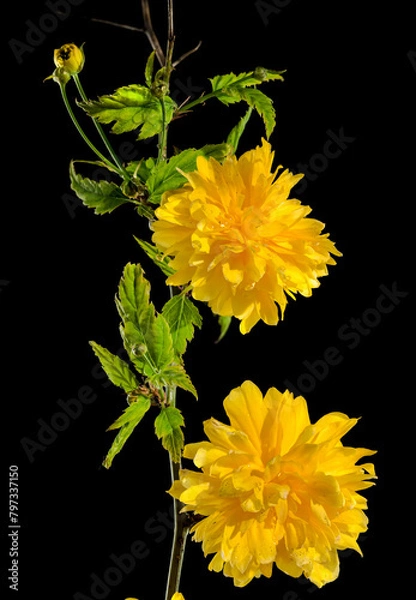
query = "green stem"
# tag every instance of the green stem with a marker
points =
(101, 131)
(181, 526)
(168, 68)
(163, 136)
(81, 131)
(180, 534)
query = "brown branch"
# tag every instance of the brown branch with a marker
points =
(140, 30)
(150, 33)
(181, 58)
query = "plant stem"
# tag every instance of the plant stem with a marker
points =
(101, 131)
(81, 131)
(180, 534)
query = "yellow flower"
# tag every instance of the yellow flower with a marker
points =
(176, 596)
(69, 58)
(239, 240)
(275, 489)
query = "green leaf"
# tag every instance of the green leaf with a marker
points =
(116, 368)
(154, 254)
(233, 88)
(148, 73)
(256, 77)
(159, 343)
(102, 195)
(135, 344)
(132, 107)
(130, 418)
(168, 425)
(263, 105)
(237, 131)
(134, 295)
(133, 413)
(224, 323)
(182, 316)
(166, 176)
(176, 375)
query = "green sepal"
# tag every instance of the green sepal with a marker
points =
(224, 323)
(169, 175)
(235, 134)
(141, 169)
(168, 425)
(104, 196)
(148, 72)
(116, 368)
(182, 316)
(127, 422)
(154, 254)
(132, 107)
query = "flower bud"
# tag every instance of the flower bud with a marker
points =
(69, 58)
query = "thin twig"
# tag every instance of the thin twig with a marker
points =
(150, 33)
(170, 41)
(181, 58)
(140, 30)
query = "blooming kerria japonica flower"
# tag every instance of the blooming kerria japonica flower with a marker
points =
(275, 489)
(176, 596)
(236, 237)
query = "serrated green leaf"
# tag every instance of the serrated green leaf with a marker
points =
(133, 413)
(148, 72)
(116, 368)
(168, 425)
(263, 105)
(104, 196)
(222, 82)
(182, 316)
(132, 107)
(159, 343)
(176, 375)
(237, 131)
(127, 421)
(134, 343)
(166, 176)
(256, 77)
(232, 88)
(154, 254)
(134, 295)
(224, 323)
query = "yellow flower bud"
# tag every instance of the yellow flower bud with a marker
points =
(69, 58)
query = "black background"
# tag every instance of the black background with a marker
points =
(350, 69)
